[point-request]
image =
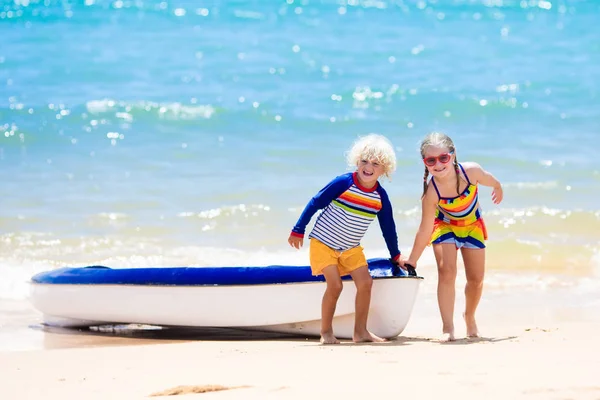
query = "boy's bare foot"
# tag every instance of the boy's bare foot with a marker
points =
(367, 337)
(328, 338)
(472, 331)
(448, 337)
(448, 333)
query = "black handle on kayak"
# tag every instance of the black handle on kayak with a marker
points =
(409, 268)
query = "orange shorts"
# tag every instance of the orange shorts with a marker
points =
(322, 256)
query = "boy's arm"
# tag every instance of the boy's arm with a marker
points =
(385, 216)
(325, 196)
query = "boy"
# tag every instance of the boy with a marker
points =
(350, 203)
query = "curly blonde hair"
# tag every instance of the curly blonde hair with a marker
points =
(373, 147)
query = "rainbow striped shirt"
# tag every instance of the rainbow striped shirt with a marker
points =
(348, 210)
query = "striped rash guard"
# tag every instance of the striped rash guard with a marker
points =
(348, 210)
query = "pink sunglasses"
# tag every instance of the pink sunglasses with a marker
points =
(443, 158)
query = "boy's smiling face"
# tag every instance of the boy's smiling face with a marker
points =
(369, 172)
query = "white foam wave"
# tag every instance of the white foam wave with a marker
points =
(126, 111)
(39, 254)
(596, 263)
(532, 185)
(251, 209)
(16, 275)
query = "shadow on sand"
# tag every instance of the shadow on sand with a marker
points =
(117, 335)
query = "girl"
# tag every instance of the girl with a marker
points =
(451, 220)
(350, 202)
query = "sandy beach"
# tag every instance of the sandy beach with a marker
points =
(163, 133)
(537, 351)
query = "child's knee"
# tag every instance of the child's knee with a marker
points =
(335, 288)
(364, 285)
(476, 281)
(446, 274)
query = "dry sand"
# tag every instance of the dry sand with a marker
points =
(553, 358)
(559, 362)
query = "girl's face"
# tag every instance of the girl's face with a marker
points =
(369, 172)
(439, 161)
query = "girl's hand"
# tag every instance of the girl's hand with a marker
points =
(400, 261)
(295, 241)
(497, 194)
(409, 267)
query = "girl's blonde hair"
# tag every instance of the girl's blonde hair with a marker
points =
(440, 140)
(373, 147)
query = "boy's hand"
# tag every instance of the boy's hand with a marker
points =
(295, 241)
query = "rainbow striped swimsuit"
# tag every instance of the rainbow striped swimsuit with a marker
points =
(458, 219)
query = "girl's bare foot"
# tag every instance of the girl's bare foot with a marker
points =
(366, 337)
(328, 338)
(472, 331)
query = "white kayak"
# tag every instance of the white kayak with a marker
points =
(270, 298)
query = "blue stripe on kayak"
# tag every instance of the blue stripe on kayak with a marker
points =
(199, 276)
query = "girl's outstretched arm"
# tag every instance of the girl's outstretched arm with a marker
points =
(479, 175)
(423, 236)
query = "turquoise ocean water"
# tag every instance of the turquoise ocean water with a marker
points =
(149, 133)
